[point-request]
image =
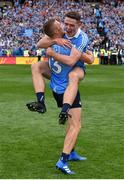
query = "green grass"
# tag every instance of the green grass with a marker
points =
(31, 143)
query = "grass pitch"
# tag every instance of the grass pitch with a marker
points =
(31, 143)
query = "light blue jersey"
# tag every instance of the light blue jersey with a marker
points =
(60, 71)
(80, 42)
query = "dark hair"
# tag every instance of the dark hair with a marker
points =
(73, 15)
(48, 27)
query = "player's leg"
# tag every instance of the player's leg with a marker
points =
(62, 162)
(39, 71)
(75, 76)
(73, 129)
(70, 139)
(73, 154)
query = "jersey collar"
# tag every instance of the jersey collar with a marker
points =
(75, 36)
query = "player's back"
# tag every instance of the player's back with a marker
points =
(59, 71)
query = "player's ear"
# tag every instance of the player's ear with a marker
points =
(56, 31)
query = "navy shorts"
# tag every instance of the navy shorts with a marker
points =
(59, 100)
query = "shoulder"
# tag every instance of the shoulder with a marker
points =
(83, 35)
(83, 38)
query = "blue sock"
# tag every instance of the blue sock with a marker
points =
(40, 96)
(66, 107)
(64, 157)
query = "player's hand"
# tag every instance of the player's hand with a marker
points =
(63, 42)
(89, 52)
(49, 51)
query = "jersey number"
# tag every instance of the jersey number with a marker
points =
(56, 67)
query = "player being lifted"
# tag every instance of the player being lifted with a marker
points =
(79, 39)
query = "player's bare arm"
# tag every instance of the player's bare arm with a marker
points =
(73, 58)
(75, 55)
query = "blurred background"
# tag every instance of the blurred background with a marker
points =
(21, 23)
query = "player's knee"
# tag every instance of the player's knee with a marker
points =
(73, 77)
(79, 127)
(76, 127)
(36, 68)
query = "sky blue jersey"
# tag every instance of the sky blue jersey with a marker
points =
(80, 42)
(60, 71)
